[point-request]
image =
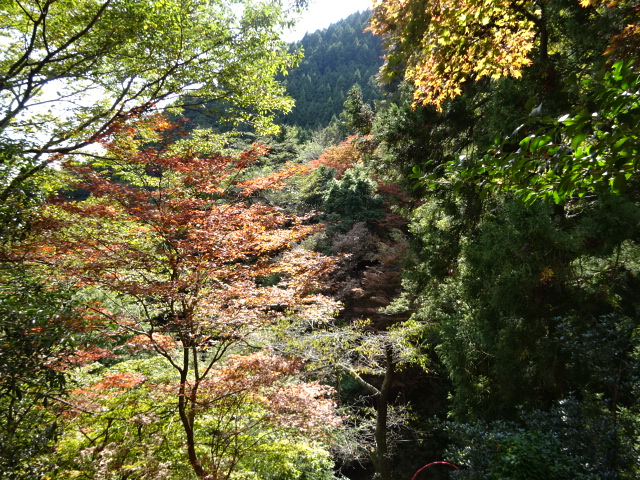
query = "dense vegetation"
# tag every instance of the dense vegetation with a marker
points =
(335, 59)
(442, 269)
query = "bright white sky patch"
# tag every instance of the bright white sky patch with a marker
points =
(322, 13)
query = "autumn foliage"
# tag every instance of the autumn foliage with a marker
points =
(438, 45)
(340, 157)
(191, 267)
(179, 233)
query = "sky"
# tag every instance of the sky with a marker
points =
(322, 13)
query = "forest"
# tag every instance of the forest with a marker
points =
(405, 247)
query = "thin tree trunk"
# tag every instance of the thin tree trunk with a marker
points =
(382, 451)
(186, 417)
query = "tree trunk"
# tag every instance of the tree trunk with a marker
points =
(186, 412)
(383, 462)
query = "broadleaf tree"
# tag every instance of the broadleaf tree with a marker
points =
(189, 264)
(40, 324)
(437, 46)
(251, 413)
(593, 147)
(69, 70)
(542, 293)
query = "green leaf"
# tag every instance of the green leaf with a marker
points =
(578, 139)
(619, 183)
(619, 143)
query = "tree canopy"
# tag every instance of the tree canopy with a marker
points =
(173, 242)
(335, 59)
(439, 45)
(456, 280)
(70, 70)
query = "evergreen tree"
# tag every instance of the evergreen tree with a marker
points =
(335, 59)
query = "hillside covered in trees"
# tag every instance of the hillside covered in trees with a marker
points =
(335, 59)
(434, 277)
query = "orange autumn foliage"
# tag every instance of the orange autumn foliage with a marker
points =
(177, 234)
(341, 157)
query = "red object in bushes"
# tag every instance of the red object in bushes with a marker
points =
(415, 476)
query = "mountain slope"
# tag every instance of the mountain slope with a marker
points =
(336, 58)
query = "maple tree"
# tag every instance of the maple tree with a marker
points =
(189, 266)
(251, 410)
(372, 359)
(339, 157)
(439, 45)
(566, 132)
(368, 353)
(46, 329)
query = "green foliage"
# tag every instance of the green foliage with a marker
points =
(415, 142)
(320, 139)
(599, 354)
(315, 185)
(18, 209)
(439, 229)
(286, 460)
(513, 295)
(528, 308)
(357, 115)
(504, 451)
(572, 440)
(13, 211)
(335, 59)
(525, 303)
(353, 199)
(122, 427)
(36, 336)
(74, 70)
(169, 49)
(594, 147)
(127, 425)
